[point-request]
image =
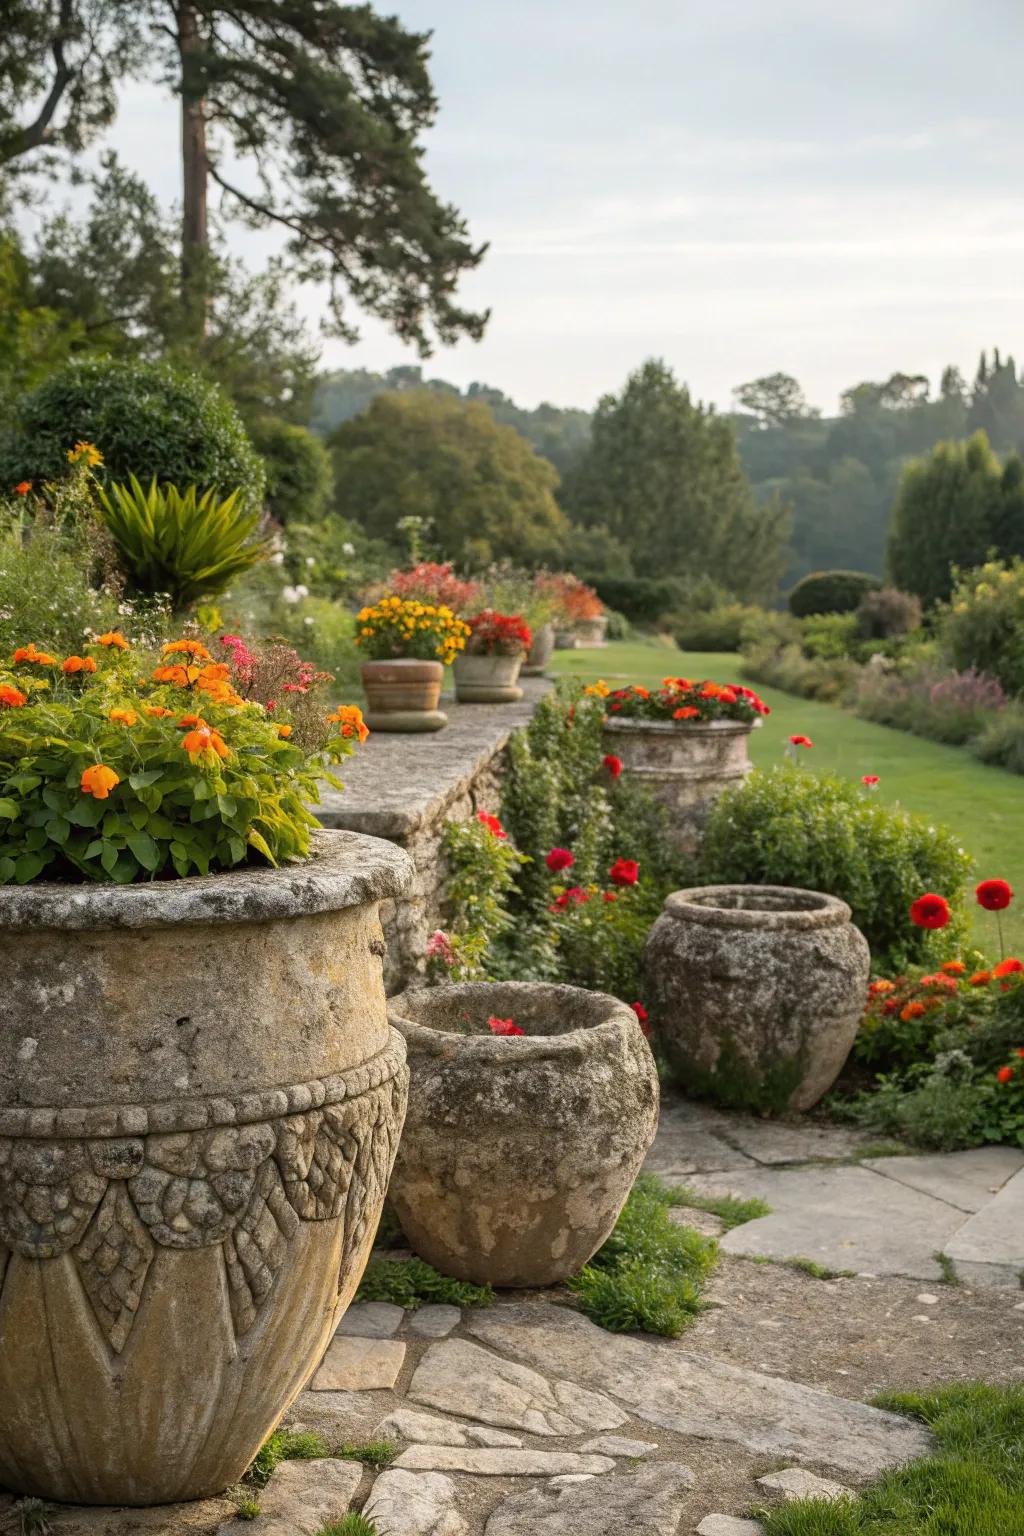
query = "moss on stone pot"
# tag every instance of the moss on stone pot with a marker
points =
(756, 992)
(519, 1150)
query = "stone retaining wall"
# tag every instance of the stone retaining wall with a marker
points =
(404, 788)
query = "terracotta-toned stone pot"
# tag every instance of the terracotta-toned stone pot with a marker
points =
(685, 764)
(403, 695)
(200, 1101)
(518, 1152)
(756, 992)
(487, 679)
(541, 651)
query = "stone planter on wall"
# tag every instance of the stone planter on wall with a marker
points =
(403, 695)
(200, 1101)
(756, 992)
(686, 765)
(518, 1153)
(540, 651)
(487, 679)
(592, 633)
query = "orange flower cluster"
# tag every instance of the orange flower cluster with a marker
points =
(350, 718)
(37, 658)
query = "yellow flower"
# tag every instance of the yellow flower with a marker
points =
(85, 453)
(598, 690)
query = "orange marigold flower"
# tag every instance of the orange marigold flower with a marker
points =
(877, 987)
(686, 712)
(641, 693)
(598, 690)
(190, 722)
(11, 698)
(157, 711)
(29, 653)
(123, 716)
(350, 718)
(205, 739)
(954, 967)
(912, 1011)
(284, 730)
(98, 781)
(980, 978)
(194, 648)
(78, 664)
(113, 637)
(23, 487)
(1008, 967)
(184, 677)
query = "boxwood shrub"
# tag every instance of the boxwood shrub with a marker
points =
(831, 592)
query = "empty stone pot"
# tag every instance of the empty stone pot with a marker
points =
(685, 764)
(756, 992)
(200, 1100)
(518, 1152)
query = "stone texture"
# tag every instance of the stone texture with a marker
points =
(460, 1377)
(988, 1249)
(490, 1461)
(304, 1496)
(693, 1395)
(729, 1525)
(795, 1483)
(691, 1138)
(434, 1322)
(428, 1429)
(684, 766)
(704, 1222)
(618, 1445)
(841, 1217)
(414, 1504)
(371, 1320)
(648, 1502)
(967, 1180)
(355, 1364)
(761, 982)
(193, 1159)
(518, 1153)
(780, 1141)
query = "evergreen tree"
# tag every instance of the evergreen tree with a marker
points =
(948, 509)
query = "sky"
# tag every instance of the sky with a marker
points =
(828, 188)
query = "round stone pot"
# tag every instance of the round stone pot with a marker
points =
(685, 765)
(403, 695)
(540, 651)
(200, 1101)
(757, 992)
(487, 679)
(518, 1152)
(592, 633)
(566, 640)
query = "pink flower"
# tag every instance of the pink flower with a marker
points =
(439, 947)
(503, 1027)
(558, 859)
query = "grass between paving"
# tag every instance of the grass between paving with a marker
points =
(983, 805)
(412, 1283)
(972, 1486)
(351, 1525)
(731, 1210)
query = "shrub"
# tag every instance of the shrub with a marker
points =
(1000, 741)
(643, 600)
(147, 419)
(104, 777)
(831, 592)
(719, 629)
(983, 628)
(789, 669)
(185, 546)
(928, 700)
(300, 480)
(830, 636)
(47, 585)
(437, 584)
(788, 827)
(887, 614)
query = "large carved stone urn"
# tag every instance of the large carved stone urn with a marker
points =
(686, 766)
(200, 1102)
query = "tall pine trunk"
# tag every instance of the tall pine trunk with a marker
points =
(195, 176)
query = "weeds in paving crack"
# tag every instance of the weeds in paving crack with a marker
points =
(248, 1509)
(284, 1445)
(351, 1524)
(945, 1263)
(411, 1283)
(731, 1210)
(372, 1453)
(805, 1266)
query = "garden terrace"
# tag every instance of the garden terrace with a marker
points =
(404, 788)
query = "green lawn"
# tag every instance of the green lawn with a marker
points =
(984, 805)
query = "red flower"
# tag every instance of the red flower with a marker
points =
(994, 895)
(503, 1027)
(23, 487)
(1004, 1074)
(624, 872)
(559, 858)
(642, 1018)
(609, 896)
(930, 911)
(492, 823)
(1008, 967)
(870, 779)
(801, 741)
(613, 764)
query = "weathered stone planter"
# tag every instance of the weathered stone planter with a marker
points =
(540, 651)
(403, 695)
(685, 765)
(756, 992)
(200, 1100)
(487, 679)
(592, 633)
(518, 1153)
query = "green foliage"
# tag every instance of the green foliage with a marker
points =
(481, 488)
(32, 1516)
(482, 869)
(185, 545)
(412, 1283)
(372, 1453)
(971, 1486)
(147, 419)
(718, 629)
(831, 592)
(352, 1524)
(50, 574)
(300, 480)
(285, 1445)
(663, 476)
(248, 1509)
(788, 827)
(983, 627)
(887, 614)
(650, 1271)
(730, 1209)
(830, 636)
(1000, 741)
(643, 600)
(922, 695)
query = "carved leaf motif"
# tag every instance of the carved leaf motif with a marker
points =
(48, 1193)
(315, 1164)
(195, 1186)
(113, 1261)
(377, 1131)
(256, 1249)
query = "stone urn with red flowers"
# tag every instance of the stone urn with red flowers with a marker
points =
(487, 671)
(531, 1110)
(686, 742)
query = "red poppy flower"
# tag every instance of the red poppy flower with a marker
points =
(870, 779)
(1004, 1074)
(642, 1017)
(613, 764)
(624, 872)
(994, 895)
(503, 1027)
(801, 741)
(930, 911)
(23, 487)
(492, 823)
(559, 858)
(1008, 967)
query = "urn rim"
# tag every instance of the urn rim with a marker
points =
(595, 1017)
(782, 908)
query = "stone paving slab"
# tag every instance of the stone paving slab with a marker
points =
(967, 1180)
(688, 1142)
(353, 1364)
(729, 1525)
(988, 1249)
(647, 1503)
(414, 1504)
(842, 1217)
